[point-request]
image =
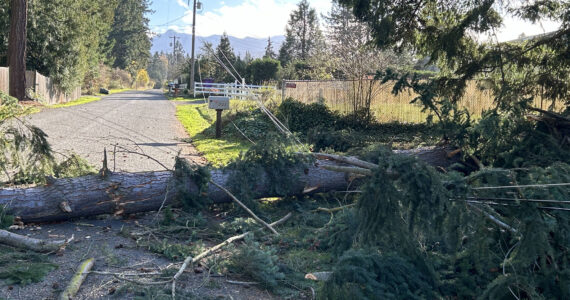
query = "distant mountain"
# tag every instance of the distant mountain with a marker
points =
(255, 46)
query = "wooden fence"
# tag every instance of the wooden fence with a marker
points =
(41, 88)
(346, 95)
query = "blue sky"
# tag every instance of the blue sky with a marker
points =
(263, 18)
(240, 18)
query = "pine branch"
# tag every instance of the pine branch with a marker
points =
(190, 260)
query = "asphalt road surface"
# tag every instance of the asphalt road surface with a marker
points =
(139, 129)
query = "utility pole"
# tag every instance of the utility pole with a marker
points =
(174, 49)
(193, 41)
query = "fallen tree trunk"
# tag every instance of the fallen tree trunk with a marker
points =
(125, 193)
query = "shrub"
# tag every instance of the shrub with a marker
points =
(256, 262)
(365, 274)
(337, 140)
(301, 117)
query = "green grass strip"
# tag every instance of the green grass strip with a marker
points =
(197, 119)
(82, 100)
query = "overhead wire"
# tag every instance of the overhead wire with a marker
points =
(204, 97)
(170, 21)
(280, 126)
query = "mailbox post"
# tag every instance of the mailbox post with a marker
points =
(219, 104)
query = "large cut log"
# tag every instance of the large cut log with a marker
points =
(125, 193)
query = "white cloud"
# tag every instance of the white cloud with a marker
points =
(183, 3)
(262, 18)
(251, 18)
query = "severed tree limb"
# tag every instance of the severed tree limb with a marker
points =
(246, 283)
(192, 260)
(77, 279)
(343, 169)
(494, 219)
(20, 241)
(347, 160)
(319, 276)
(551, 114)
(236, 200)
(334, 209)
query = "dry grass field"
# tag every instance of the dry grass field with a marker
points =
(385, 106)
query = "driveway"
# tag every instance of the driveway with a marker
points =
(139, 129)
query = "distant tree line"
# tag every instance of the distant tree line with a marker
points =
(342, 51)
(75, 42)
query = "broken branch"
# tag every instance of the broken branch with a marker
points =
(260, 221)
(347, 160)
(77, 279)
(191, 260)
(20, 241)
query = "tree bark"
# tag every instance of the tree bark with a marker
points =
(125, 193)
(17, 48)
(21, 241)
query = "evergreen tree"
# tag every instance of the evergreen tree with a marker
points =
(261, 70)
(247, 58)
(225, 53)
(67, 38)
(129, 36)
(176, 60)
(446, 31)
(269, 53)
(158, 67)
(206, 63)
(303, 35)
(528, 244)
(286, 50)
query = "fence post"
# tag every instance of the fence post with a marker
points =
(243, 89)
(283, 84)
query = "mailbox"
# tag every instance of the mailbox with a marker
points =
(218, 102)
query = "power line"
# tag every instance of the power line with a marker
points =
(170, 22)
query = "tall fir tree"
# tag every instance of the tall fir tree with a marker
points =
(66, 39)
(225, 53)
(158, 67)
(269, 53)
(129, 36)
(303, 35)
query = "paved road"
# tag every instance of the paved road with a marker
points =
(136, 121)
